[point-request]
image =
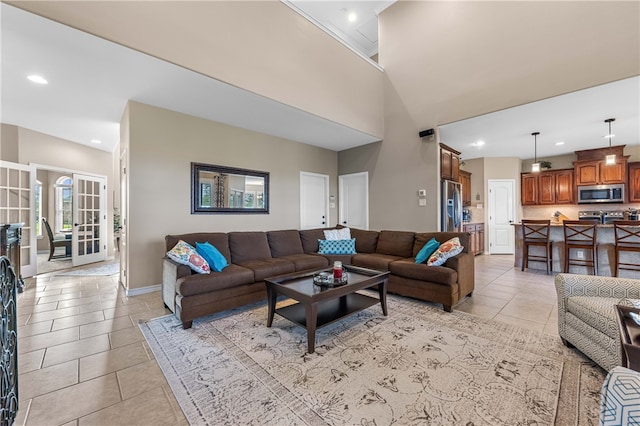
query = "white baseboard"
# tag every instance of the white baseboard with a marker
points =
(143, 290)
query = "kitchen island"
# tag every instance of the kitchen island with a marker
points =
(606, 253)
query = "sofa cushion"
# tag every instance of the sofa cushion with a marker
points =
(304, 262)
(246, 246)
(218, 239)
(233, 275)
(445, 251)
(337, 234)
(337, 246)
(396, 243)
(366, 241)
(598, 312)
(284, 243)
(407, 268)
(185, 254)
(441, 237)
(217, 262)
(377, 261)
(309, 239)
(265, 268)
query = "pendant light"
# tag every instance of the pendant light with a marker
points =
(535, 167)
(611, 158)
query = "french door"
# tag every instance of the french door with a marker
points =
(89, 220)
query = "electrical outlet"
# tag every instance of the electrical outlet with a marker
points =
(580, 255)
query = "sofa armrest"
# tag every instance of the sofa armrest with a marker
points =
(568, 285)
(464, 265)
(171, 272)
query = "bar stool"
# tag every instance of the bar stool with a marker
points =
(536, 233)
(627, 237)
(581, 235)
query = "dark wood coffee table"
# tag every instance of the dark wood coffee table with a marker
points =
(318, 306)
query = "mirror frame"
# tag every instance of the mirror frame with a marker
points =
(196, 207)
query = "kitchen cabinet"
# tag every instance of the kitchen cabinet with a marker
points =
(591, 168)
(477, 236)
(545, 188)
(634, 182)
(449, 163)
(465, 181)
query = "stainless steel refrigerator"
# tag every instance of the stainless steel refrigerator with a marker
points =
(451, 206)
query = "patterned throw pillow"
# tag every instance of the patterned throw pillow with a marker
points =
(337, 234)
(427, 250)
(445, 251)
(185, 254)
(337, 246)
(216, 260)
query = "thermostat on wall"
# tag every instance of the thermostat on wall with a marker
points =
(422, 192)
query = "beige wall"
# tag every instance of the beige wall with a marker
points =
(162, 145)
(9, 143)
(261, 46)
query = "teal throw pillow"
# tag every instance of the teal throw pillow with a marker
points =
(427, 250)
(212, 255)
(337, 246)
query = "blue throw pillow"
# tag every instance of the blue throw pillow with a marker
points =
(426, 250)
(212, 255)
(337, 246)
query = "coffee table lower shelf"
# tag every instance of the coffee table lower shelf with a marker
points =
(328, 310)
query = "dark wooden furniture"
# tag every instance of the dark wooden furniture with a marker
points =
(629, 337)
(550, 187)
(9, 337)
(465, 181)
(10, 238)
(627, 239)
(319, 306)
(449, 163)
(477, 236)
(53, 243)
(581, 235)
(535, 233)
(634, 182)
(590, 167)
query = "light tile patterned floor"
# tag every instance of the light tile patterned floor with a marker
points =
(83, 360)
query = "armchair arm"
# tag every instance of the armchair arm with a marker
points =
(594, 286)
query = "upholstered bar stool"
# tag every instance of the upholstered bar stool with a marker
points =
(536, 233)
(581, 235)
(627, 237)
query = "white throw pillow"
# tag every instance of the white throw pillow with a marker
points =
(337, 234)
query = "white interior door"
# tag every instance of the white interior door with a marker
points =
(314, 197)
(501, 214)
(354, 200)
(89, 220)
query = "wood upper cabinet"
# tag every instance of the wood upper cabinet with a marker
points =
(634, 182)
(551, 187)
(449, 163)
(529, 189)
(591, 168)
(465, 180)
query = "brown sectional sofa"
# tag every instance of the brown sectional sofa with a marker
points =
(254, 256)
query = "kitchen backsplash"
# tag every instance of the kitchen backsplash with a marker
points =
(571, 211)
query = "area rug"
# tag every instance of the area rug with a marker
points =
(102, 268)
(419, 365)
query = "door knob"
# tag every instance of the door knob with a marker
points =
(344, 222)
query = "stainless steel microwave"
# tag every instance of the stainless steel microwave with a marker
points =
(601, 194)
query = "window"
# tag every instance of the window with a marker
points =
(64, 197)
(38, 207)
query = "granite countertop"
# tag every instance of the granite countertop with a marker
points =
(556, 224)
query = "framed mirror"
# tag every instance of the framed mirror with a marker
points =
(221, 189)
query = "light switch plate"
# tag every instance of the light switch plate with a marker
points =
(422, 202)
(332, 205)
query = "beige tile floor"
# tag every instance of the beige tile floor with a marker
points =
(83, 361)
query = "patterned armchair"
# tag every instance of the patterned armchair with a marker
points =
(620, 398)
(587, 317)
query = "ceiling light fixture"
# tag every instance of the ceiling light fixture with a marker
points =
(611, 158)
(559, 143)
(352, 17)
(535, 167)
(37, 79)
(96, 141)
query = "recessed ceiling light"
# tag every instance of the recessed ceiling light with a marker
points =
(352, 17)
(96, 141)
(560, 143)
(37, 79)
(478, 143)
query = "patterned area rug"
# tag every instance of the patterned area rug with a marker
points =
(419, 365)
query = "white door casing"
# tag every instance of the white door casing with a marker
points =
(501, 207)
(314, 200)
(89, 220)
(354, 200)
